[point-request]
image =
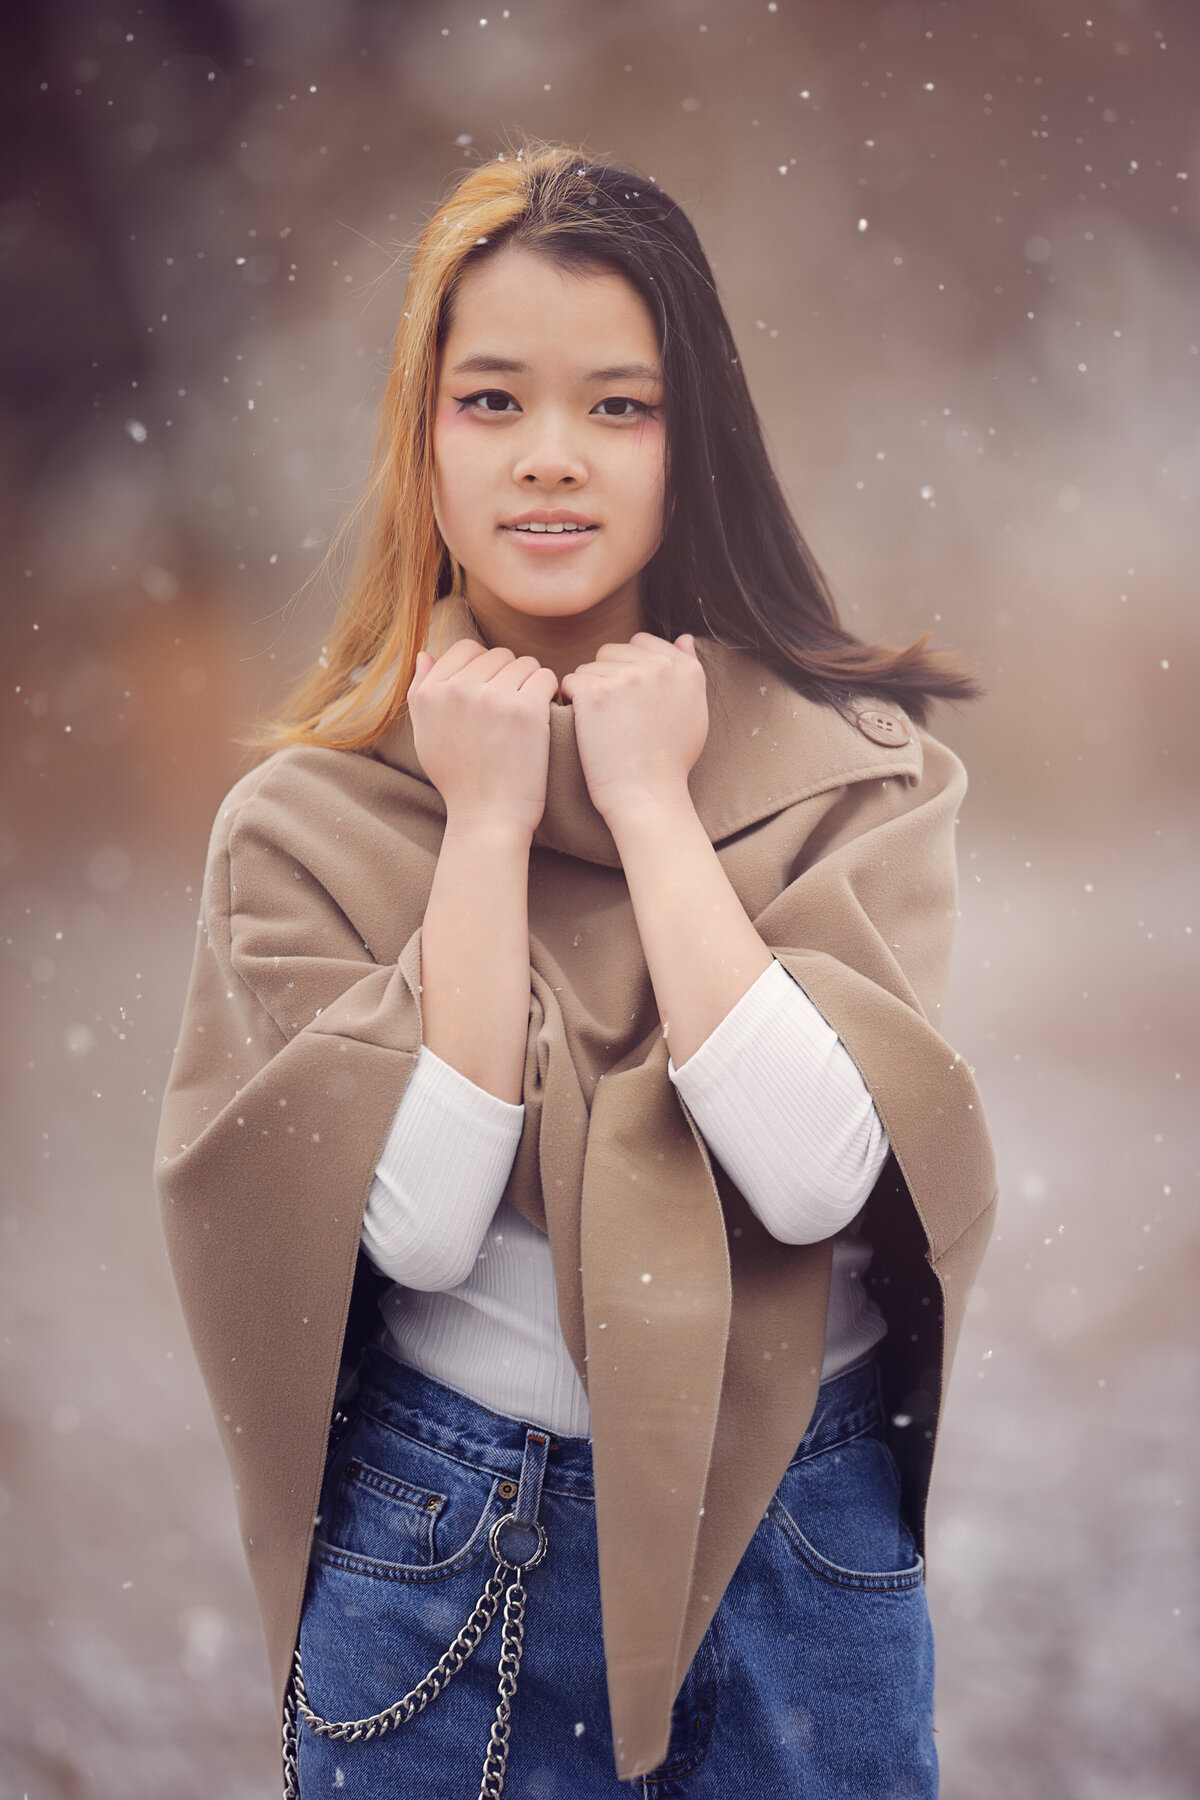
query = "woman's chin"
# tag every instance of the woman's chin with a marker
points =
(550, 599)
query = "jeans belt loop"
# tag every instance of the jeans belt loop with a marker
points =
(533, 1471)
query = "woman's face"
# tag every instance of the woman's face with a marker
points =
(550, 402)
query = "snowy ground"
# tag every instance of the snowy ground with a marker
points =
(1064, 1542)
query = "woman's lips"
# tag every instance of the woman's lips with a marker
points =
(549, 543)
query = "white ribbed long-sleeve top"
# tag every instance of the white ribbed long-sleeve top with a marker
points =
(782, 1108)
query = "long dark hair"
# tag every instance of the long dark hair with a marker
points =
(732, 564)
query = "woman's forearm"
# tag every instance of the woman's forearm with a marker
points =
(701, 948)
(475, 956)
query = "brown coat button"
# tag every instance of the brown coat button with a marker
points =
(882, 728)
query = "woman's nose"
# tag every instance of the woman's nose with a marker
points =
(548, 457)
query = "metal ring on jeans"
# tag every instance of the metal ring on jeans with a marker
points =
(530, 1562)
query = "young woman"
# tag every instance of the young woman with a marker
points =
(571, 1195)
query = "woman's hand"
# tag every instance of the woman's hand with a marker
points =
(481, 726)
(641, 720)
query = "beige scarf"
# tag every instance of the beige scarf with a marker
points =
(302, 1025)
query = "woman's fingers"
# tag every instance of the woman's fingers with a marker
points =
(470, 661)
(517, 673)
(424, 664)
(545, 684)
(542, 686)
(471, 664)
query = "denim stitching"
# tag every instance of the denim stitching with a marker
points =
(351, 1563)
(849, 1437)
(688, 1761)
(886, 1581)
(506, 1472)
(389, 1487)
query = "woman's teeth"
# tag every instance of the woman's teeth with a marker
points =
(551, 527)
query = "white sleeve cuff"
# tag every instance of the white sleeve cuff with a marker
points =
(782, 1106)
(440, 1176)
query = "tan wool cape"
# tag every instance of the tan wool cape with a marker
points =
(301, 1027)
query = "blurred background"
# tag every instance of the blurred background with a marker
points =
(958, 245)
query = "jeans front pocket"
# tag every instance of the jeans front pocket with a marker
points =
(395, 1508)
(378, 1516)
(839, 1509)
(375, 1622)
(402, 1588)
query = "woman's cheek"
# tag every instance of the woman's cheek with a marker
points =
(647, 490)
(460, 481)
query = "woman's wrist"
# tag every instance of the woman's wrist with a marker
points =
(647, 811)
(488, 829)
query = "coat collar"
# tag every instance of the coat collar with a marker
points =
(768, 746)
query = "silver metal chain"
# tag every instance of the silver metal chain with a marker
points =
(353, 1731)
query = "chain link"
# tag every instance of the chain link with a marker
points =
(353, 1731)
(291, 1773)
(511, 1645)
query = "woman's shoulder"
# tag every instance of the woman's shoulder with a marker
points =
(859, 717)
(869, 731)
(765, 728)
(299, 795)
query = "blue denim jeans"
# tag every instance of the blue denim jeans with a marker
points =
(815, 1678)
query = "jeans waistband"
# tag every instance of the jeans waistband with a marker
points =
(409, 1401)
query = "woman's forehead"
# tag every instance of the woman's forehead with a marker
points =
(518, 313)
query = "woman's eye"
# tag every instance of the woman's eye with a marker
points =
(484, 394)
(471, 403)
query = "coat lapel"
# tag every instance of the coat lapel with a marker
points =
(767, 748)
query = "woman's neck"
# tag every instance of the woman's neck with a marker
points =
(561, 642)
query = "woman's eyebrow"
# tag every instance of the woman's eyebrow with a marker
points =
(484, 363)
